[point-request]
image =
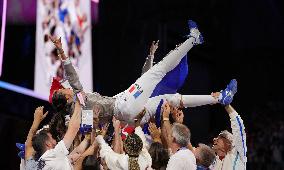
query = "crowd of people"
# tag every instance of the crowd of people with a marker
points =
(140, 128)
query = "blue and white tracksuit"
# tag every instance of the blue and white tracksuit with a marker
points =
(236, 159)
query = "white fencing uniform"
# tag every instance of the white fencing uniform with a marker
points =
(132, 101)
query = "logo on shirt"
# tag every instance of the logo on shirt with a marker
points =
(136, 90)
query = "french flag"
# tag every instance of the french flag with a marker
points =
(135, 90)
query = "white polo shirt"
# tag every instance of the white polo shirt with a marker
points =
(183, 159)
(56, 159)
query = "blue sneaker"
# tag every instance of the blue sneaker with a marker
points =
(226, 96)
(194, 32)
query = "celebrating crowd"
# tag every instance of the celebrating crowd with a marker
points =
(139, 128)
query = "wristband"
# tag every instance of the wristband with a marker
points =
(166, 119)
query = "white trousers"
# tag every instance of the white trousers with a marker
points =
(132, 101)
(175, 99)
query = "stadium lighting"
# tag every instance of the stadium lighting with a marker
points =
(4, 12)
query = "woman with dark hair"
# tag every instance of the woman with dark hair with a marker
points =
(60, 102)
(59, 121)
(160, 156)
(57, 126)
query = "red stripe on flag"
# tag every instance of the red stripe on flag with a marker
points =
(131, 89)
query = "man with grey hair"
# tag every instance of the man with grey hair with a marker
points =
(182, 158)
(205, 156)
(231, 148)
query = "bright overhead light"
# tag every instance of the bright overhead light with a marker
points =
(96, 1)
(4, 11)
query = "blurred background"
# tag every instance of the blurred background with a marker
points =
(243, 40)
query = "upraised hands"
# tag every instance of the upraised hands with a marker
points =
(96, 111)
(215, 94)
(139, 117)
(38, 114)
(58, 45)
(115, 123)
(57, 42)
(178, 115)
(104, 129)
(76, 117)
(155, 132)
(154, 47)
(166, 110)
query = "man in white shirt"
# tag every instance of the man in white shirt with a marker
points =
(231, 148)
(182, 158)
(51, 155)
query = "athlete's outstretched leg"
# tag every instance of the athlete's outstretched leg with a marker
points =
(134, 98)
(192, 100)
(223, 97)
(176, 100)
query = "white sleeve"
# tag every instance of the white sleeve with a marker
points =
(184, 161)
(22, 164)
(175, 164)
(60, 148)
(238, 130)
(144, 152)
(140, 133)
(107, 153)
